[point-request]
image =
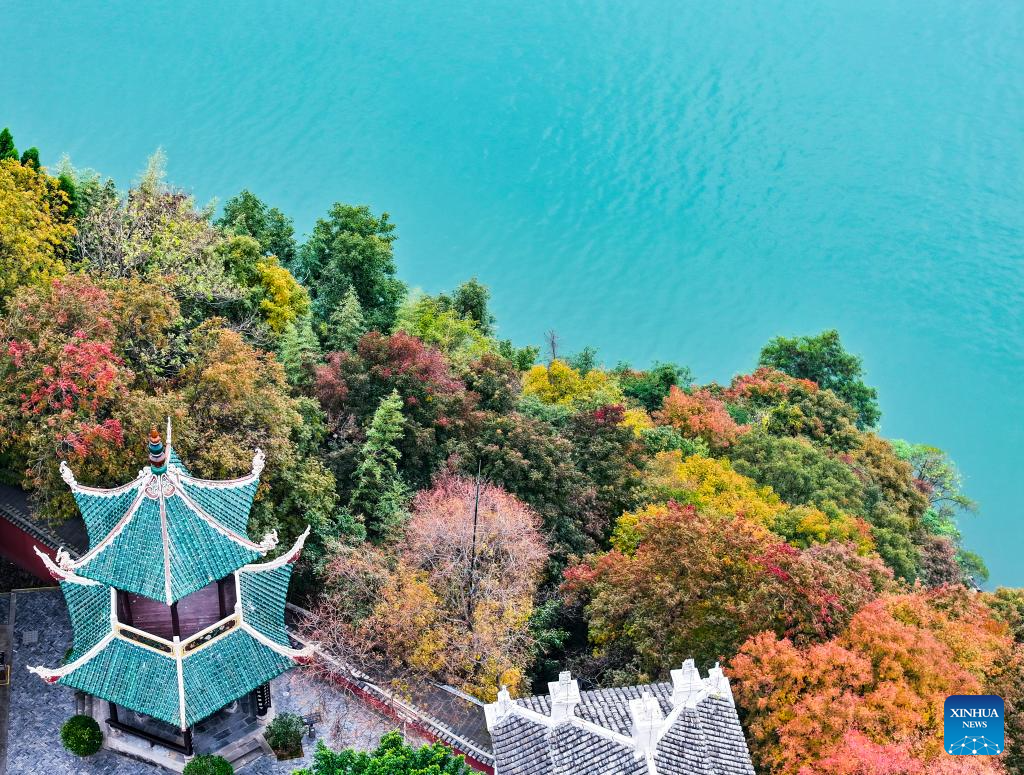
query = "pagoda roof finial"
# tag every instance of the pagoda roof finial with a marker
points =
(157, 453)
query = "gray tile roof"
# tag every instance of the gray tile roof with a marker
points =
(594, 735)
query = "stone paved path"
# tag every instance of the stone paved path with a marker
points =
(42, 634)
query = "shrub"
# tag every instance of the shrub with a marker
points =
(284, 734)
(208, 764)
(81, 735)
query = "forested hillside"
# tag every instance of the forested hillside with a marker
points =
(626, 516)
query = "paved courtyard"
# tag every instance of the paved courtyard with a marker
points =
(42, 635)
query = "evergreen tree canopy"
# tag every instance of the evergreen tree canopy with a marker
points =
(352, 248)
(345, 324)
(822, 359)
(379, 492)
(392, 757)
(7, 149)
(247, 214)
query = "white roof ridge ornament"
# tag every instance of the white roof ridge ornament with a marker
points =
(292, 555)
(67, 474)
(269, 542)
(62, 569)
(259, 460)
(69, 479)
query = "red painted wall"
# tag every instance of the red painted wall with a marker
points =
(16, 546)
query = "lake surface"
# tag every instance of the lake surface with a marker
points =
(673, 181)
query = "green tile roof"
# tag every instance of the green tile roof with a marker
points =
(102, 512)
(131, 676)
(218, 674)
(167, 534)
(135, 677)
(252, 649)
(134, 559)
(89, 607)
(228, 505)
(263, 595)
(198, 553)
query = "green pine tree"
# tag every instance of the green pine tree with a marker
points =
(346, 323)
(299, 352)
(7, 149)
(31, 156)
(379, 495)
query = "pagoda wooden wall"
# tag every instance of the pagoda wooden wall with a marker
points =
(195, 612)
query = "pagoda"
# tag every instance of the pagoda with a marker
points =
(174, 618)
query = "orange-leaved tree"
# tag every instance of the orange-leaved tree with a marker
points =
(877, 688)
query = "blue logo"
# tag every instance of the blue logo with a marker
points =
(973, 725)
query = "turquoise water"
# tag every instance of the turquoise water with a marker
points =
(662, 180)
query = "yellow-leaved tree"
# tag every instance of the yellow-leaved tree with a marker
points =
(562, 385)
(33, 230)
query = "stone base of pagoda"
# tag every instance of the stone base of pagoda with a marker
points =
(234, 732)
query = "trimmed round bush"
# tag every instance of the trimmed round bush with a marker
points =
(81, 735)
(208, 764)
(284, 734)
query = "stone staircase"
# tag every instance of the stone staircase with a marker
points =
(244, 752)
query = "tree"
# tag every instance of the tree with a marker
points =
(299, 353)
(699, 415)
(786, 406)
(81, 735)
(612, 458)
(34, 232)
(351, 247)
(232, 399)
(7, 149)
(345, 325)
(680, 583)
(584, 361)
(437, 323)
(529, 459)
(379, 492)
(437, 410)
(392, 757)
(496, 381)
(267, 290)
(560, 384)
(470, 302)
(156, 232)
(64, 387)
(30, 157)
(649, 388)
(713, 486)
(208, 764)
(884, 677)
(798, 472)
(283, 300)
(454, 605)
(886, 477)
(247, 214)
(936, 476)
(823, 360)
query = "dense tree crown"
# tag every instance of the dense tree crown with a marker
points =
(391, 757)
(823, 360)
(627, 518)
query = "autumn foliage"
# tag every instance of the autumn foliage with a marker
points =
(679, 582)
(876, 688)
(628, 518)
(450, 602)
(699, 415)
